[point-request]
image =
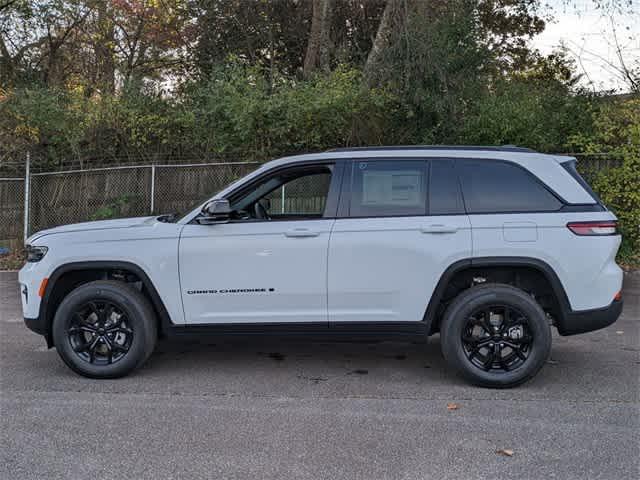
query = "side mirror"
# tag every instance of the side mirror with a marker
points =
(216, 211)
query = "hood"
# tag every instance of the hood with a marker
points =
(98, 225)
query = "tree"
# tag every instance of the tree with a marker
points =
(34, 36)
(319, 39)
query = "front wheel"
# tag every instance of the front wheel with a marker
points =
(104, 329)
(495, 335)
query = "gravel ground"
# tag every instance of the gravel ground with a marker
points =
(272, 409)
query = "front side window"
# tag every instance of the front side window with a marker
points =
(383, 188)
(292, 194)
(493, 186)
(305, 195)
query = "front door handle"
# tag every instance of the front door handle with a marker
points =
(439, 228)
(301, 232)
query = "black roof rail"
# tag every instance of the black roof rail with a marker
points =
(504, 148)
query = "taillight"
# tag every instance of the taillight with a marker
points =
(606, 227)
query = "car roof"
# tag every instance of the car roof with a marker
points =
(486, 148)
(520, 155)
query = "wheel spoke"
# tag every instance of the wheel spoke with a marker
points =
(119, 329)
(105, 322)
(506, 319)
(488, 360)
(503, 362)
(119, 348)
(109, 345)
(92, 349)
(485, 347)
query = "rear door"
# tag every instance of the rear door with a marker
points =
(401, 224)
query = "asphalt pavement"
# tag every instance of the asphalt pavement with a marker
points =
(272, 409)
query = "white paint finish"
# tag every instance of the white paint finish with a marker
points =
(288, 256)
(149, 244)
(585, 265)
(520, 232)
(385, 269)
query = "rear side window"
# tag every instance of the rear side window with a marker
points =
(492, 186)
(444, 189)
(384, 188)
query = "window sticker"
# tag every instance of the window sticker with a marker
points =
(399, 188)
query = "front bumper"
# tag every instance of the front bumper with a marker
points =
(36, 325)
(576, 322)
(39, 326)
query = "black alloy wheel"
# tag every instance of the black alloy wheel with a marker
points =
(99, 333)
(104, 329)
(497, 337)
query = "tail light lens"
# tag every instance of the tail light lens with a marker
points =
(606, 227)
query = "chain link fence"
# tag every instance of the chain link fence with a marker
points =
(62, 197)
(11, 212)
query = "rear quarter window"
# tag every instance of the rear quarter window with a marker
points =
(494, 186)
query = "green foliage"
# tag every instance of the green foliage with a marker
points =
(540, 115)
(617, 131)
(238, 110)
(115, 209)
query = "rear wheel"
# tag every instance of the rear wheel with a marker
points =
(495, 335)
(104, 329)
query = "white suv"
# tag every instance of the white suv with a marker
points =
(488, 246)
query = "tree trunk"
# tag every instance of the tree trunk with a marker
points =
(105, 64)
(392, 19)
(6, 62)
(318, 48)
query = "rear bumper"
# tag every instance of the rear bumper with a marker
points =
(583, 321)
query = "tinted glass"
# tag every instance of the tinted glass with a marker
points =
(444, 190)
(388, 188)
(491, 186)
(302, 196)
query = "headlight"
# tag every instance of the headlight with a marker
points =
(35, 254)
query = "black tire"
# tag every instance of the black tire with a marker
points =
(136, 328)
(460, 346)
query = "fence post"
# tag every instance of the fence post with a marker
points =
(27, 194)
(153, 187)
(282, 201)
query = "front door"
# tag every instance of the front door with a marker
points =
(269, 263)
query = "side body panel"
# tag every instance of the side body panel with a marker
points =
(152, 246)
(254, 272)
(585, 265)
(385, 269)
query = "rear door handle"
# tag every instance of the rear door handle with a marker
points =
(439, 228)
(301, 232)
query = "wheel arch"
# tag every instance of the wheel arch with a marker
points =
(469, 266)
(68, 276)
